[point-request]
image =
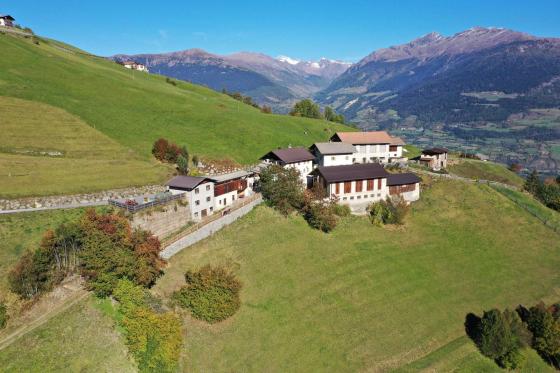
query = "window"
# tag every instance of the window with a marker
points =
(208, 187)
(219, 202)
(337, 188)
(347, 187)
(378, 194)
(372, 195)
(233, 198)
(196, 191)
(207, 199)
(344, 198)
(196, 214)
(393, 148)
(364, 160)
(333, 158)
(353, 160)
(211, 209)
(351, 197)
(370, 185)
(371, 159)
(359, 197)
(359, 184)
(379, 184)
(347, 157)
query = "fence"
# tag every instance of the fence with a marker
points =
(193, 228)
(135, 208)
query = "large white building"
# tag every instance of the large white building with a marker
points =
(359, 185)
(372, 147)
(299, 158)
(332, 153)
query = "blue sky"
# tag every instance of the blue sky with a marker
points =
(346, 30)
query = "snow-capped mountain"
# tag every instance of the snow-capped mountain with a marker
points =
(277, 82)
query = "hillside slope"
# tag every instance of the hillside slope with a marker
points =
(135, 108)
(364, 298)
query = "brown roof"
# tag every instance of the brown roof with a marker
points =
(290, 155)
(435, 151)
(372, 137)
(402, 179)
(364, 171)
(397, 141)
(186, 182)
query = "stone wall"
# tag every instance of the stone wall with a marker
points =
(164, 219)
(208, 229)
(75, 200)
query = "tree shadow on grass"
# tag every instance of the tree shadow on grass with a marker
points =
(472, 327)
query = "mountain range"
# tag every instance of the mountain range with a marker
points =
(277, 82)
(491, 90)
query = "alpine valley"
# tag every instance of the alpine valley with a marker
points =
(492, 91)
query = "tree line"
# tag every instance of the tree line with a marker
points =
(502, 335)
(308, 109)
(547, 191)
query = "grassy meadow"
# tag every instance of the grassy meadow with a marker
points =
(475, 169)
(360, 298)
(367, 298)
(135, 108)
(81, 339)
(44, 150)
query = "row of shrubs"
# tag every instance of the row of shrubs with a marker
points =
(282, 188)
(501, 335)
(101, 247)
(153, 336)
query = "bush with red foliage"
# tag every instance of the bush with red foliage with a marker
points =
(166, 151)
(103, 248)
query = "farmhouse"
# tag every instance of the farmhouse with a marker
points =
(332, 153)
(231, 187)
(434, 158)
(299, 158)
(372, 147)
(134, 66)
(6, 20)
(199, 192)
(359, 185)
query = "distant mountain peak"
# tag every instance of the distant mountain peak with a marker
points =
(287, 59)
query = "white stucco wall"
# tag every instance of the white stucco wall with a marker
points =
(202, 200)
(371, 153)
(363, 197)
(224, 200)
(413, 195)
(335, 160)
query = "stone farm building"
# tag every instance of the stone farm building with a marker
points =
(434, 158)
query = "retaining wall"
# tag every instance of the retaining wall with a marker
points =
(207, 230)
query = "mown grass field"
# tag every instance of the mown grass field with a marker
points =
(136, 108)
(367, 298)
(81, 339)
(485, 170)
(44, 150)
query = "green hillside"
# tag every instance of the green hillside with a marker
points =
(45, 150)
(486, 171)
(360, 298)
(367, 298)
(134, 109)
